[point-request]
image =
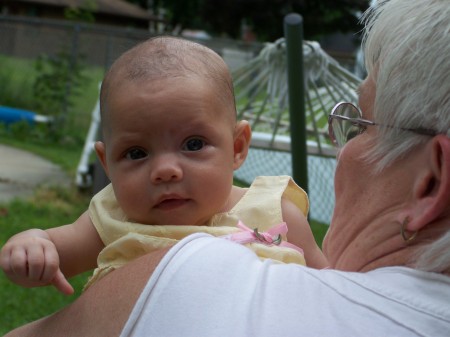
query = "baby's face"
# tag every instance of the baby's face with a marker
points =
(170, 151)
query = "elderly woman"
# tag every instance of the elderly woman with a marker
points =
(388, 243)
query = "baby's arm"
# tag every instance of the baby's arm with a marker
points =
(37, 258)
(300, 234)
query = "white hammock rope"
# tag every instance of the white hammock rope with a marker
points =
(262, 95)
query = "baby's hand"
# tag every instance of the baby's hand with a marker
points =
(30, 259)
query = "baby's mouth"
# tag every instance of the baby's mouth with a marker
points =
(171, 203)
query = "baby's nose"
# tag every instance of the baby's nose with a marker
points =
(166, 169)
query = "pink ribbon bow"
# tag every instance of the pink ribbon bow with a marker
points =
(270, 238)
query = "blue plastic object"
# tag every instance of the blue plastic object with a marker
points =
(10, 115)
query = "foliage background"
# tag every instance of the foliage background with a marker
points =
(225, 17)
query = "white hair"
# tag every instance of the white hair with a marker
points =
(434, 257)
(407, 50)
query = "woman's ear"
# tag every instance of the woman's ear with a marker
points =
(101, 154)
(432, 188)
(242, 137)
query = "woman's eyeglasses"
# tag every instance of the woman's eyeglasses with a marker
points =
(345, 122)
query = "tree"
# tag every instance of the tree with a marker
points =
(225, 17)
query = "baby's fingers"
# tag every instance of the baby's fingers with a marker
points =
(36, 263)
(30, 264)
(43, 263)
(14, 262)
(61, 283)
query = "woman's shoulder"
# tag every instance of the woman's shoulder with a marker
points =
(288, 293)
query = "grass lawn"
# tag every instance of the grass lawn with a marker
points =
(48, 208)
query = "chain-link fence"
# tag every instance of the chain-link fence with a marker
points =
(97, 44)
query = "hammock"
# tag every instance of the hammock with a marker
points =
(262, 96)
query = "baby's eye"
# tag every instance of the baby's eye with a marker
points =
(135, 154)
(194, 144)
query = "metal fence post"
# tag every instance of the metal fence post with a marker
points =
(293, 32)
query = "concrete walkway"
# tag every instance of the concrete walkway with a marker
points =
(21, 172)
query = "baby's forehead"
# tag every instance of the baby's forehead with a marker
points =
(196, 103)
(175, 85)
(172, 62)
(195, 91)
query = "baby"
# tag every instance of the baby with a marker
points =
(171, 143)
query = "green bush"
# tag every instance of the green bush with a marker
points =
(40, 86)
(17, 78)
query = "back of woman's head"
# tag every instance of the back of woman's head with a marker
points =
(407, 49)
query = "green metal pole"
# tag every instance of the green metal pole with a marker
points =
(293, 33)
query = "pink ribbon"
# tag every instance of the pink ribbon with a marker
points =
(270, 238)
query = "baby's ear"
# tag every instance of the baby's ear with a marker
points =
(242, 137)
(431, 190)
(101, 154)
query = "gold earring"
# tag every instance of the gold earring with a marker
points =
(407, 239)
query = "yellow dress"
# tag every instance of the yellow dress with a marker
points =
(260, 207)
